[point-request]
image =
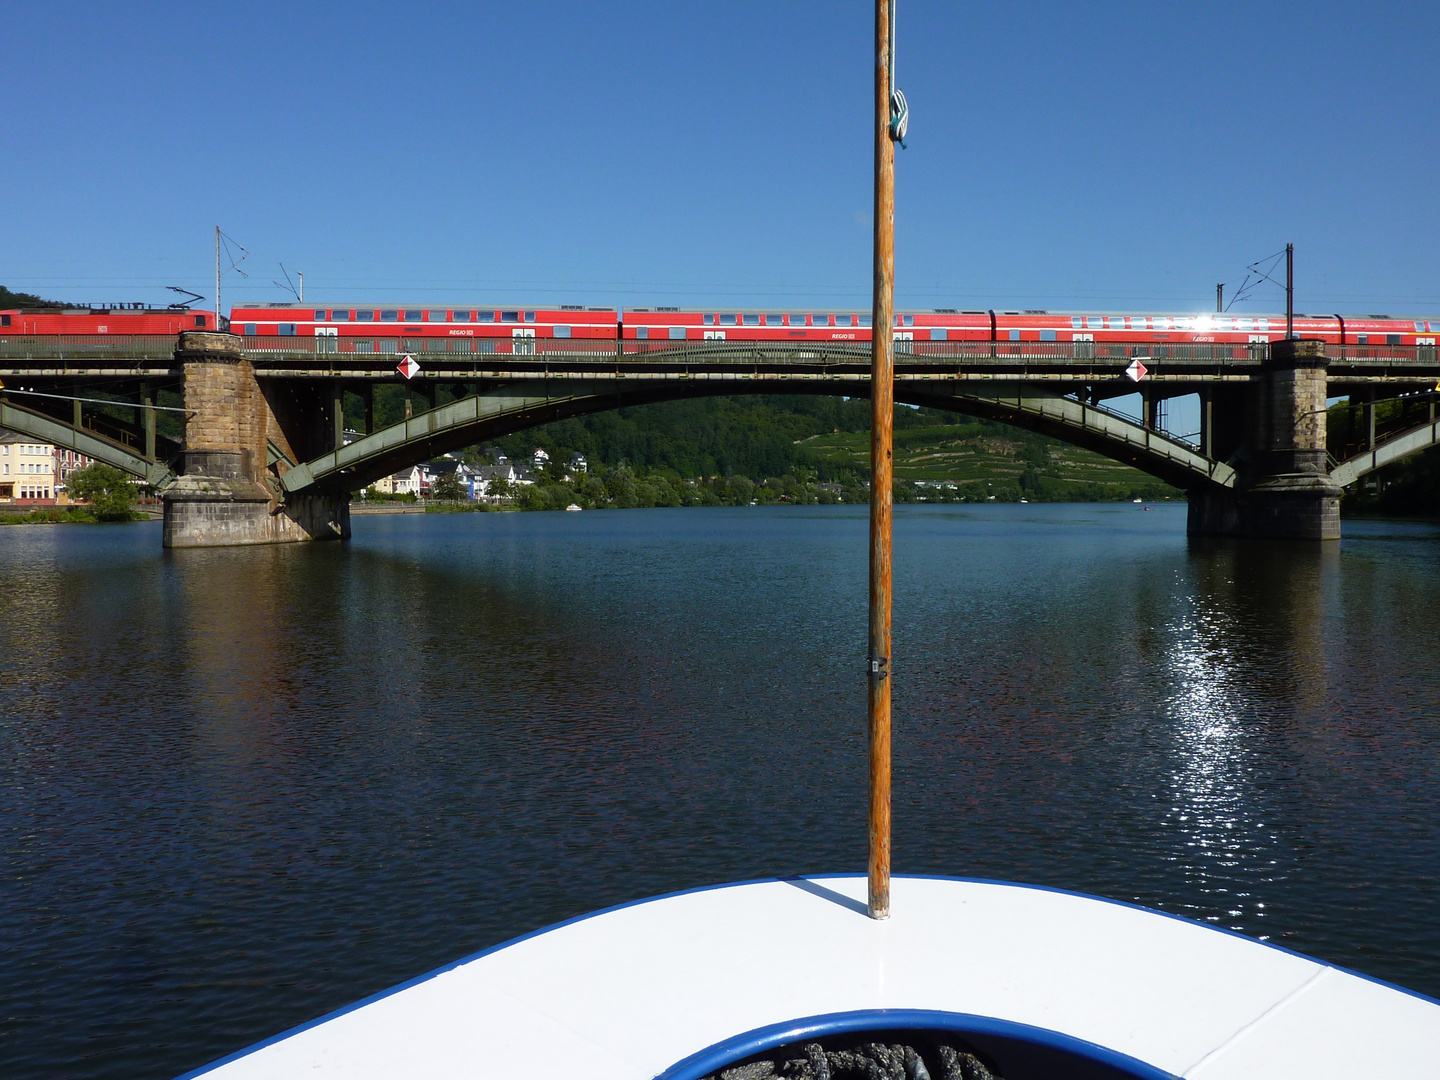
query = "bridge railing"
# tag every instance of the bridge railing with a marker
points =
(87, 347)
(664, 349)
(50, 347)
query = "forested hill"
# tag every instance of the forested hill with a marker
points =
(10, 299)
(826, 440)
(720, 436)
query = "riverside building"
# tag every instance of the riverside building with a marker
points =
(34, 473)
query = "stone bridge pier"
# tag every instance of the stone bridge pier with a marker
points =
(1276, 438)
(226, 493)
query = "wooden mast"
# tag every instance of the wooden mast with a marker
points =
(882, 421)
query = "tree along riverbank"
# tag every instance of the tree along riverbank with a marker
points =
(65, 515)
(625, 488)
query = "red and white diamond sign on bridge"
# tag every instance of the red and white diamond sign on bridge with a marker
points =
(408, 367)
(1136, 371)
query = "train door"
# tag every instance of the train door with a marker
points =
(904, 341)
(327, 339)
(1259, 346)
(522, 341)
(714, 335)
(1425, 349)
(1084, 346)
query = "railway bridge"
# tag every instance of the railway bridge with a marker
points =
(263, 456)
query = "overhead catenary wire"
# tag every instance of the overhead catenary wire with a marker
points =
(95, 401)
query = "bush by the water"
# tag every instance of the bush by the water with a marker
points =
(51, 515)
(110, 492)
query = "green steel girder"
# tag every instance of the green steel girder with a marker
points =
(513, 406)
(48, 429)
(1419, 437)
(1089, 426)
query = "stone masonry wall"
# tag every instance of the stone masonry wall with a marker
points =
(228, 414)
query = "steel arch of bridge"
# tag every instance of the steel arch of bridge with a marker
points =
(58, 433)
(514, 406)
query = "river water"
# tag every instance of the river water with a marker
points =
(240, 788)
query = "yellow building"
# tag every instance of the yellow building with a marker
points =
(27, 470)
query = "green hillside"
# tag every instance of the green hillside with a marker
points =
(817, 444)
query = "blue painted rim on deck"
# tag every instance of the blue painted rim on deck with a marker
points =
(417, 980)
(739, 1047)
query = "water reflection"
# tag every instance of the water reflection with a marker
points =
(240, 788)
(1246, 662)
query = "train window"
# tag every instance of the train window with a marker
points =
(1222, 324)
(752, 320)
(487, 316)
(642, 332)
(339, 316)
(287, 329)
(1243, 324)
(200, 320)
(939, 334)
(1116, 322)
(413, 316)
(1392, 339)
(319, 316)
(709, 320)
(1419, 327)
(865, 320)
(727, 320)
(249, 329)
(820, 320)
(389, 316)
(437, 316)
(774, 320)
(4, 320)
(461, 316)
(1014, 335)
(1076, 322)
(842, 320)
(562, 331)
(909, 320)
(1262, 324)
(677, 333)
(529, 316)
(509, 316)
(1047, 335)
(364, 346)
(364, 316)
(1362, 339)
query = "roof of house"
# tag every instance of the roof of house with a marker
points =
(8, 436)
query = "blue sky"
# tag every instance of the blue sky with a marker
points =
(1062, 155)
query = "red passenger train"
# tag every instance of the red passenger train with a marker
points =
(380, 328)
(497, 329)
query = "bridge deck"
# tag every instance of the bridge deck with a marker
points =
(1084, 362)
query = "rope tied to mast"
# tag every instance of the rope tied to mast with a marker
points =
(899, 108)
(899, 117)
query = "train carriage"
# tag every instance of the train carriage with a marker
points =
(433, 328)
(953, 325)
